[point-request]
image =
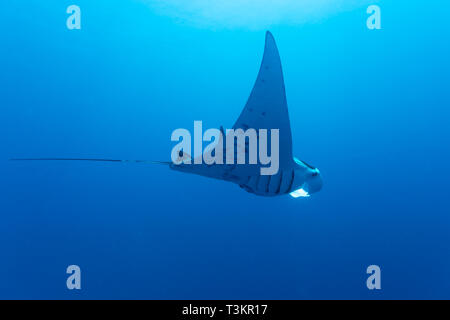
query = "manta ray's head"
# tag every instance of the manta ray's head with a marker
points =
(307, 180)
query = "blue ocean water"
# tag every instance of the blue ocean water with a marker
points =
(369, 108)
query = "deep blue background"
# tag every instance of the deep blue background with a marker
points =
(369, 108)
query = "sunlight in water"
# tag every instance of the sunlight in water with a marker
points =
(252, 14)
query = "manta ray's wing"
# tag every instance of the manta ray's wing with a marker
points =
(266, 107)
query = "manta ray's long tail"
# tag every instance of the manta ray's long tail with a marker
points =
(90, 159)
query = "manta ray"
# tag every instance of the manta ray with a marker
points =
(266, 108)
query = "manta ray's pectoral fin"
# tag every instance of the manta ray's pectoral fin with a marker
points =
(266, 108)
